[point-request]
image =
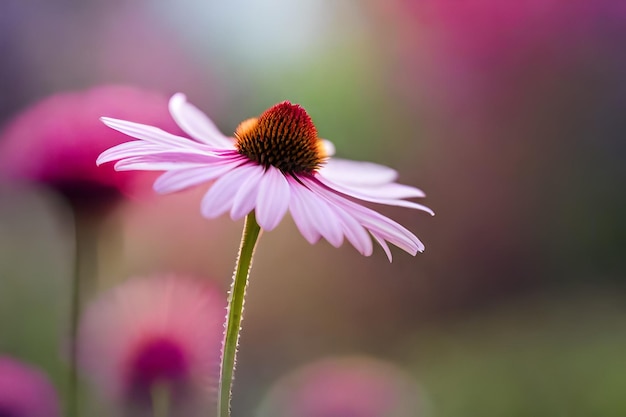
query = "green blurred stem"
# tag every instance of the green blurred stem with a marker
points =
(160, 394)
(85, 241)
(249, 239)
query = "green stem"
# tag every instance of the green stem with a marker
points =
(160, 400)
(85, 230)
(249, 238)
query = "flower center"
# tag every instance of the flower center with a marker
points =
(284, 137)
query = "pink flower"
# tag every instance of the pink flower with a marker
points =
(349, 386)
(55, 141)
(274, 163)
(25, 391)
(151, 333)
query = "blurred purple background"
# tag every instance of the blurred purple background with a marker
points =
(509, 115)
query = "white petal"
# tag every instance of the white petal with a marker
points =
(219, 199)
(314, 212)
(369, 195)
(195, 123)
(245, 199)
(357, 173)
(177, 180)
(149, 133)
(273, 199)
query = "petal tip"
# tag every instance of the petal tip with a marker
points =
(107, 120)
(178, 98)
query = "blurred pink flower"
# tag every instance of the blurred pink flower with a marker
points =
(344, 387)
(154, 332)
(274, 164)
(55, 141)
(25, 391)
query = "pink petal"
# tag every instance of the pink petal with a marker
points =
(312, 212)
(357, 173)
(299, 212)
(166, 160)
(368, 194)
(375, 222)
(391, 231)
(196, 123)
(141, 164)
(219, 199)
(180, 179)
(128, 150)
(246, 197)
(150, 134)
(273, 199)
(392, 190)
(383, 245)
(355, 233)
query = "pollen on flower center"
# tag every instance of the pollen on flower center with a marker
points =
(284, 137)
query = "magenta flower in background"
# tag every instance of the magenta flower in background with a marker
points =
(344, 387)
(275, 163)
(55, 141)
(25, 391)
(154, 333)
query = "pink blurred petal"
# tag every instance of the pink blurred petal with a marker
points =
(165, 328)
(25, 391)
(355, 386)
(57, 140)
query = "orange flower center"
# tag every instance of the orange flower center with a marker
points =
(284, 137)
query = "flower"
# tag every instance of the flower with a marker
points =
(355, 386)
(55, 141)
(148, 334)
(25, 391)
(274, 163)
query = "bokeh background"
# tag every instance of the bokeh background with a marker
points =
(510, 115)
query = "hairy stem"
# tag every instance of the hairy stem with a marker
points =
(232, 329)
